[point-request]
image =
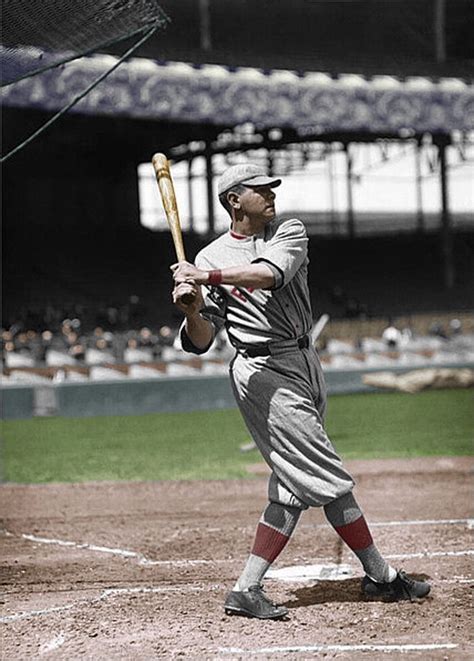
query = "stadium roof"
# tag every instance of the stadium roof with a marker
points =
(312, 103)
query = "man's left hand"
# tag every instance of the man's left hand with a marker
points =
(186, 272)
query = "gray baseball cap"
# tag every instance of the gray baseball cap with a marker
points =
(247, 174)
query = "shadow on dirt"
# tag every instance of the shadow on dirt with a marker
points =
(334, 591)
(325, 592)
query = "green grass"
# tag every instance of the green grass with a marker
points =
(205, 445)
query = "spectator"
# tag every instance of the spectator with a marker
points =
(148, 340)
(46, 338)
(437, 330)
(99, 353)
(392, 337)
(76, 324)
(134, 353)
(75, 346)
(98, 333)
(36, 346)
(166, 337)
(70, 339)
(22, 345)
(17, 358)
(407, 336)
(56, 349)
(66, 327)
(455, 327)
(78, 351)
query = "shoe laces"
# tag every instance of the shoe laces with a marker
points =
(260, 590)
(406, 582)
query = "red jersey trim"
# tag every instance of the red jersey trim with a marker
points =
(239, 237)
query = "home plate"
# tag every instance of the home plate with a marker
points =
(311, 573)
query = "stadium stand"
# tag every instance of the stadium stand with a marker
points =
(74, 246)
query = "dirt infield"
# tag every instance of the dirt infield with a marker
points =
(140, 570)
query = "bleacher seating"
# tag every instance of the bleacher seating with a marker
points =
(426, 339)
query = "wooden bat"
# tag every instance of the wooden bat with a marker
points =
(168, 197)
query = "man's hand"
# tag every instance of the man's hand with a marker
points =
(199, 330)
(182, 288)
(186, 272)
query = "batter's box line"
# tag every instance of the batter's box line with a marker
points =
(106, 594)
(428, 647)
(143, 560)
(420, 555)
(429, 554)
(123, 553)
(413, 522)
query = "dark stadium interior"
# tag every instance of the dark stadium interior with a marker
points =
(362, 36)
(80, 240)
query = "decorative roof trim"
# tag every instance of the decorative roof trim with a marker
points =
(310, 103)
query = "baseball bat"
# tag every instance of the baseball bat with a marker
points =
(319, 327)
(168, 197)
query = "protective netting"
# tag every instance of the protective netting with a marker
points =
(67, 29)
(64, 30)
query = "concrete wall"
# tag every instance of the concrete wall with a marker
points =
(17, 403)
(132, 397)
(139, 397)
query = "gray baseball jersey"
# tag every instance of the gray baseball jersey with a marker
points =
(282, 395)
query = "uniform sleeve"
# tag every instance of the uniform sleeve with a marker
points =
(286, 251)
(214, 302)
(213, 310)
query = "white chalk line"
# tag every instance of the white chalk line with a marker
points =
(412, 522)
(429, 554)
(44, 611)
(341, 648)
(456, 581)
(106, 594)
(124, 553)
(79, 545)
(424, 522)
(469, 522)
(143, 560)
(52, 644)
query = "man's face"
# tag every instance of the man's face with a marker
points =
(258, 203)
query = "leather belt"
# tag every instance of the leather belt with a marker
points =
(269, 349)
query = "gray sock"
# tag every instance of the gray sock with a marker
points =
(274, 529)
(345, 515)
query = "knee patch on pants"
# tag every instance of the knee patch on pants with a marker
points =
(278, 493)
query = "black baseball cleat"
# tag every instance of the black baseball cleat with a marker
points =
(253, 603)
(402, 588)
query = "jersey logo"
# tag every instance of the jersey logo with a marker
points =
(240, 295)
(216, 296)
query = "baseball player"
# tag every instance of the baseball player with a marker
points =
(255, 284)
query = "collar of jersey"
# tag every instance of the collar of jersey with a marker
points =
(239, 237)
(244, 237)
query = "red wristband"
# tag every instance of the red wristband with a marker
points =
(215, 277)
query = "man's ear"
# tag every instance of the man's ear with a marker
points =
(233, 199)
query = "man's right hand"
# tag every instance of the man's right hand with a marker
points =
(199, 330)
(183, 288)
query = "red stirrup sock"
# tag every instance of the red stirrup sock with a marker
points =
(345, 516)
(356, 534)
(273, 532)
(269, 543)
